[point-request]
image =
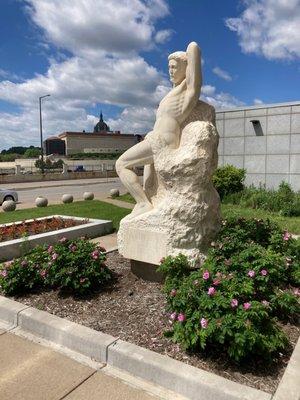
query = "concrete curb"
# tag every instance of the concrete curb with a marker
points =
(73, 336)
(289, 386)
(174, 375)
(186, 380)
(9, 311)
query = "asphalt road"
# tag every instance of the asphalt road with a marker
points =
(53, 191)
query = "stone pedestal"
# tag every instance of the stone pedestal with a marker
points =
(145, 245)
(146, 271)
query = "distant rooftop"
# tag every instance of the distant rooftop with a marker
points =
(258, 106)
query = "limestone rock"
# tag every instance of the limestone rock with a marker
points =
(41, 201)
(114, 192)
(186, 213)
(67, 198)
(9, 205)
(88, 196)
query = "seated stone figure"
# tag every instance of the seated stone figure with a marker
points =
(177, 208)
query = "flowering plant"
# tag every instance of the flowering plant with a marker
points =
(76, 265)
(235, 298)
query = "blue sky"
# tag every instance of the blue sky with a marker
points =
(112, 55)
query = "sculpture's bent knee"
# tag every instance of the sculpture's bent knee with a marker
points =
(120, 165)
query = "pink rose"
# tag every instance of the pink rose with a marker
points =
(173, 316)
(211, 291)
(264, 272)
(216, 282)
(296, 292)
(205, 275)
(95, 254)
(50, 249)
(246, 306)
(251, 273)
(173, 292)
(73, 248)
(234, 303)
(43, 273)
(54, 256)
(286, 235)
(8, 263)
(4, 273)
(181, 317)
(203, 323)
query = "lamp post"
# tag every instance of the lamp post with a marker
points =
(41, 131)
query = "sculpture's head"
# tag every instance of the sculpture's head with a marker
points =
(177, 67)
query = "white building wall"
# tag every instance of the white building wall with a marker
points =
(271, 158)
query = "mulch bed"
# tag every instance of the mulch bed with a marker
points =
(134, 310)
(19, 229)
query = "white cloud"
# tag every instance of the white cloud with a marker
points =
(208, 90)
(219, 100)
(4, 74)
(222, 74)
(86, 26)
(163, 36)
(257, 102)
(269, 27)
(103, 65)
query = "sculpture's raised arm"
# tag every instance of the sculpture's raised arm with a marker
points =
(193, 69)
(193, 78)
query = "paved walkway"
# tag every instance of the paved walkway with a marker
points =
(29, 371)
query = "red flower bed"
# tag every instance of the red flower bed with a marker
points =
(28, 228)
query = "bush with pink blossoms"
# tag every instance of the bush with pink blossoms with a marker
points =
(234, 300)
(76, 265)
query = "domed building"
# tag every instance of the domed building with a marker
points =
(101, 140)
(101, 126)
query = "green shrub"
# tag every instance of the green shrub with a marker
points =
(284, 200)
(228, 180)
(76, 265)
(233, 301)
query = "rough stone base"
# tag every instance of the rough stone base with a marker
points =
(145, 245)
(146, 271)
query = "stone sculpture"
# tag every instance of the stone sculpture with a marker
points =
(41, 201)
(178, 209)
(88, 196)
(9, 205)
(67, 198)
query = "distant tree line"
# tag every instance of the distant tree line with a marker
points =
(20, 152)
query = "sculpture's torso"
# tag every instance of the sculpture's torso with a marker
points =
(169, 116)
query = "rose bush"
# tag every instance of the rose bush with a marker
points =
(234, 300)
(76, 265)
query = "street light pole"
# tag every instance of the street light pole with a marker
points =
(41, 131)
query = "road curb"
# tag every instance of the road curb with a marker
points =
(186, 380)
(73, 336)
(9, 311)
(174, 375)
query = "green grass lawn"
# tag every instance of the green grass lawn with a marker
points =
(126, 197)
(292, 224)
(101, 210)
(86, 209)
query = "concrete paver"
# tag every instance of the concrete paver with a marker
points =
(29, 371)
(109, 242)
(101, 386)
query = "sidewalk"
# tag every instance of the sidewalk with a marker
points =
(67, 182)
(29, 371)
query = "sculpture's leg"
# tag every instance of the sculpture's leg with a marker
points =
(138, 155)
